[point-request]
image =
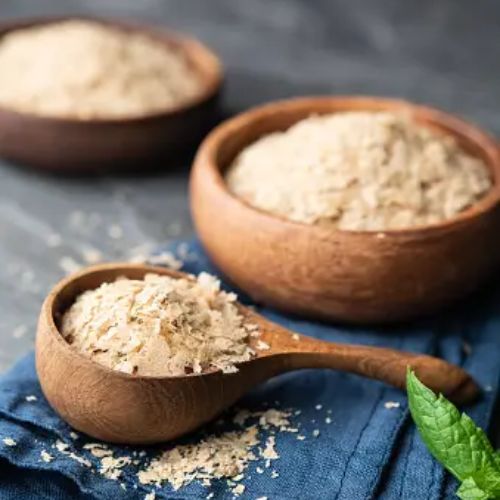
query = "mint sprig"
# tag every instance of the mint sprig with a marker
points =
(455, 441)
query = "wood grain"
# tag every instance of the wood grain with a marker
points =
(74, 145)
(323, 272)
(118, 407)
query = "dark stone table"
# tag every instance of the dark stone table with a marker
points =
(444, 53)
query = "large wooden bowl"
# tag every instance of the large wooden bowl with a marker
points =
(77, 145)
(339, 275)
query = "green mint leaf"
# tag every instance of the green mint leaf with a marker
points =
(454, 439)
(469, 490)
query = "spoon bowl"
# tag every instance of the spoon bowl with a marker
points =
(122, 408)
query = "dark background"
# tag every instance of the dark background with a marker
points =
(445, 53)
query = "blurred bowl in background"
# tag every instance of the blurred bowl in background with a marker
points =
(77, 146)
(323, 272)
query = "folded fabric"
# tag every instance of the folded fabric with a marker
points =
(356, 445)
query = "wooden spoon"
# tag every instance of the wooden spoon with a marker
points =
(122, 408)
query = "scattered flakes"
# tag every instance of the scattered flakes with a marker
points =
(9, 441)
(316, 433)
(46, 456)
(140, 253)
(295, 336)
(223, 456)
(150, 496)
(269, 452)
(53, 240)
(115, 231)
(123, 486)
(488, 388)
(300, 437)
(391, 404)
(99, 450)
(262, 346)
(466, 348)
(210, 495)
(218, 456)
(69, 265)
(110, 466)
(318, 407)
(79, 459)
(63, 448)
(166, 259)
(31, 398)
(73, 435)
(328, 420)
(329, 412)
(91, 255)
(20, 331)
(261, 498)
(275, 418)
(238, 489)
(297, 412)
(274, 474)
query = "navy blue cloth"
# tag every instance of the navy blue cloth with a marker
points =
(367, 451)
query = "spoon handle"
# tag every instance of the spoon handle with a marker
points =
(386, 365)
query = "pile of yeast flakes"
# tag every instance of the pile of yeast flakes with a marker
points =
(87, 70)
(160, 326)
(360, 171)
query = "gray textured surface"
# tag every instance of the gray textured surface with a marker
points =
(445, 53)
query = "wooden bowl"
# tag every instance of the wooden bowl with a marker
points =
(78, 145)
(323, 272)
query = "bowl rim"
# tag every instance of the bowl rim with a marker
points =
(206, 156)
(48, 313)
(185, 43)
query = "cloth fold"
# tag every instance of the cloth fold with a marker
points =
(365, 449)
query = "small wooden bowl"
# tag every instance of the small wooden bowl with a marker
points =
(326, 273)
(77, 145)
